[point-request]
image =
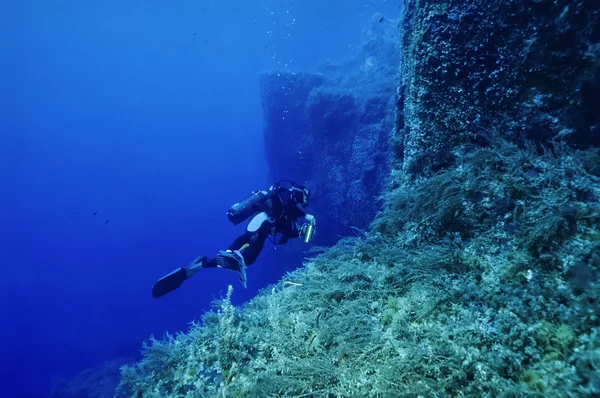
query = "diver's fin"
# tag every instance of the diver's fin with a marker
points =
(169, 282)
(173, 280)
(234, 261)
(243, 278)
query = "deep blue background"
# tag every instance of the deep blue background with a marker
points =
(148, 113)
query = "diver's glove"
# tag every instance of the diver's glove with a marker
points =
(311, 219)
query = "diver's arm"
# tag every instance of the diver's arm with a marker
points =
(298, 213)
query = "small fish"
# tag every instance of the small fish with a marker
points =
(292, 283)
(381, 20)
(77, 214)
(95, 213)
(106, 222)
(194, 33)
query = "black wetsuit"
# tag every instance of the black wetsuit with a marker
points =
(283, 215)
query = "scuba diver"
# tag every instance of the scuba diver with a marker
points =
(276, 213)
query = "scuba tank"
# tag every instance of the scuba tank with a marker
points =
(256, 202)
(242, 210)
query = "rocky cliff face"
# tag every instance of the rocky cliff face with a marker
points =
(527, 68)
(481, 274)
(333, 127)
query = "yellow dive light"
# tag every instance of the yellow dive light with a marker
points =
(308, 231)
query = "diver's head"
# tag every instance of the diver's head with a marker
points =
(300, 195)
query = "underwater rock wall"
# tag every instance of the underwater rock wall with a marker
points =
(529, 68)
(480, 277)
(332, 129)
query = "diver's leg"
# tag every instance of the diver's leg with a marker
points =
(251, 243)
(233, 260)
(240, 242)
(256, 242)
(254, 248)
(237, 244)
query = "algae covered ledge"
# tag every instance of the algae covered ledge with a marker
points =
(479, 276)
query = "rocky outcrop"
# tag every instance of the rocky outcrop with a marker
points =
(481, 275)
(334, 126)
(529, 69)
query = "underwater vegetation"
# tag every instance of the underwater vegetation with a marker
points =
(481, 280)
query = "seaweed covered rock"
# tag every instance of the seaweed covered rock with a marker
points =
(481, 274)
(530, 68)
(334, 127)
(480, 307)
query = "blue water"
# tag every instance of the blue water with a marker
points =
(127, 128)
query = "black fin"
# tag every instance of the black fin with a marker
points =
(169, 282)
